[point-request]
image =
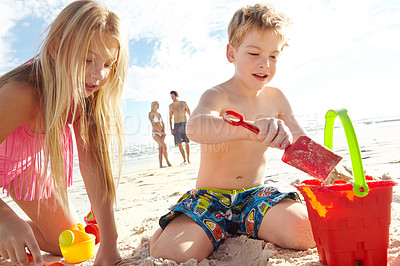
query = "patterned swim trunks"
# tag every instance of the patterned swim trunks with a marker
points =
(224, 213)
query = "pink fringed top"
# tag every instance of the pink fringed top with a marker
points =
(22, 162)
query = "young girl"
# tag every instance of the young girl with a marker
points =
(75, 80)
(158, 133)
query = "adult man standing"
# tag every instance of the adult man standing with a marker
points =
(178, 110)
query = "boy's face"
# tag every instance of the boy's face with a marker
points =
(256, 58)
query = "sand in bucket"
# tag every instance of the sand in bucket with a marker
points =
(350, 222)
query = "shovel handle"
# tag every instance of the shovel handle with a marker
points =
(360, 186)
(238, 121)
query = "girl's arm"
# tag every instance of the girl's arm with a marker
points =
(17, 107)
(104, 211)
(15, 235)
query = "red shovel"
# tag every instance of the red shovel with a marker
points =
(304, 154)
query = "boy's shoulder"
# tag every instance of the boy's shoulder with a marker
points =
(217, 90)
(275, 95)
(272, 91)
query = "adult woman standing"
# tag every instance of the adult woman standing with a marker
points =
(158, 132)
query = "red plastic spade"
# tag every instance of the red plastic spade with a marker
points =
(305, 154)
(311, 157)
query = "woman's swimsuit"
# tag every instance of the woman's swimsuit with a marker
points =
(156, 119)
(157, 133)
(22, 161)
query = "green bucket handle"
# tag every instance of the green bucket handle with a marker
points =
(360, 187)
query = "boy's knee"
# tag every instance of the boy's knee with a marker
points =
(301, 232)
(153, 241)
(181, 241)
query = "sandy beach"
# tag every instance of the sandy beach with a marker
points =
(145, 192)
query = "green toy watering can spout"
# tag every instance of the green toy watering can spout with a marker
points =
(360, 187)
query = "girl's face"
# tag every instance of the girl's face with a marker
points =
(99, 63)
(256, 58)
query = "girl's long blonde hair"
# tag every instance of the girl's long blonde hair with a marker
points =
(58, 76)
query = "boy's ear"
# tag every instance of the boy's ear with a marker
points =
(230, 53)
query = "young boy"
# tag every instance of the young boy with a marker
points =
(230, 198)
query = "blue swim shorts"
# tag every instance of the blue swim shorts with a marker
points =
(225, 213)
(180, 133)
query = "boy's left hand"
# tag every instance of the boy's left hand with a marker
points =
(274, 133)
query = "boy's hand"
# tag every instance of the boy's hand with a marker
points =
(273, 133)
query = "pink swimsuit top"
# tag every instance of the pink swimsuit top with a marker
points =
(24, 148)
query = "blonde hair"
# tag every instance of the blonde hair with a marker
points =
(58, 76)
(261, 17)
(153, 104)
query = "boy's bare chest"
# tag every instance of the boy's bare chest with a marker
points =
(253, 110)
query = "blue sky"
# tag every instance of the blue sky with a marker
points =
(343, 54)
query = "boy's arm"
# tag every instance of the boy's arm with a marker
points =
(206, 125)
(286, 114)
(108, 253)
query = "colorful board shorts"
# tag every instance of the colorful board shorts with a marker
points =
(180, 133)
(224, 213)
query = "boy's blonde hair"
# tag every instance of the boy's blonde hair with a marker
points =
(260, 17)
(57, 74)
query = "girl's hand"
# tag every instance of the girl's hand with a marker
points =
(107, 255)
(273, 133)
(15, 235)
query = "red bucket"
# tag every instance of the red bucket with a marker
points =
(347, 228)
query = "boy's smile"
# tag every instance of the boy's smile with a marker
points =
(256, 58)
(261, 77)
